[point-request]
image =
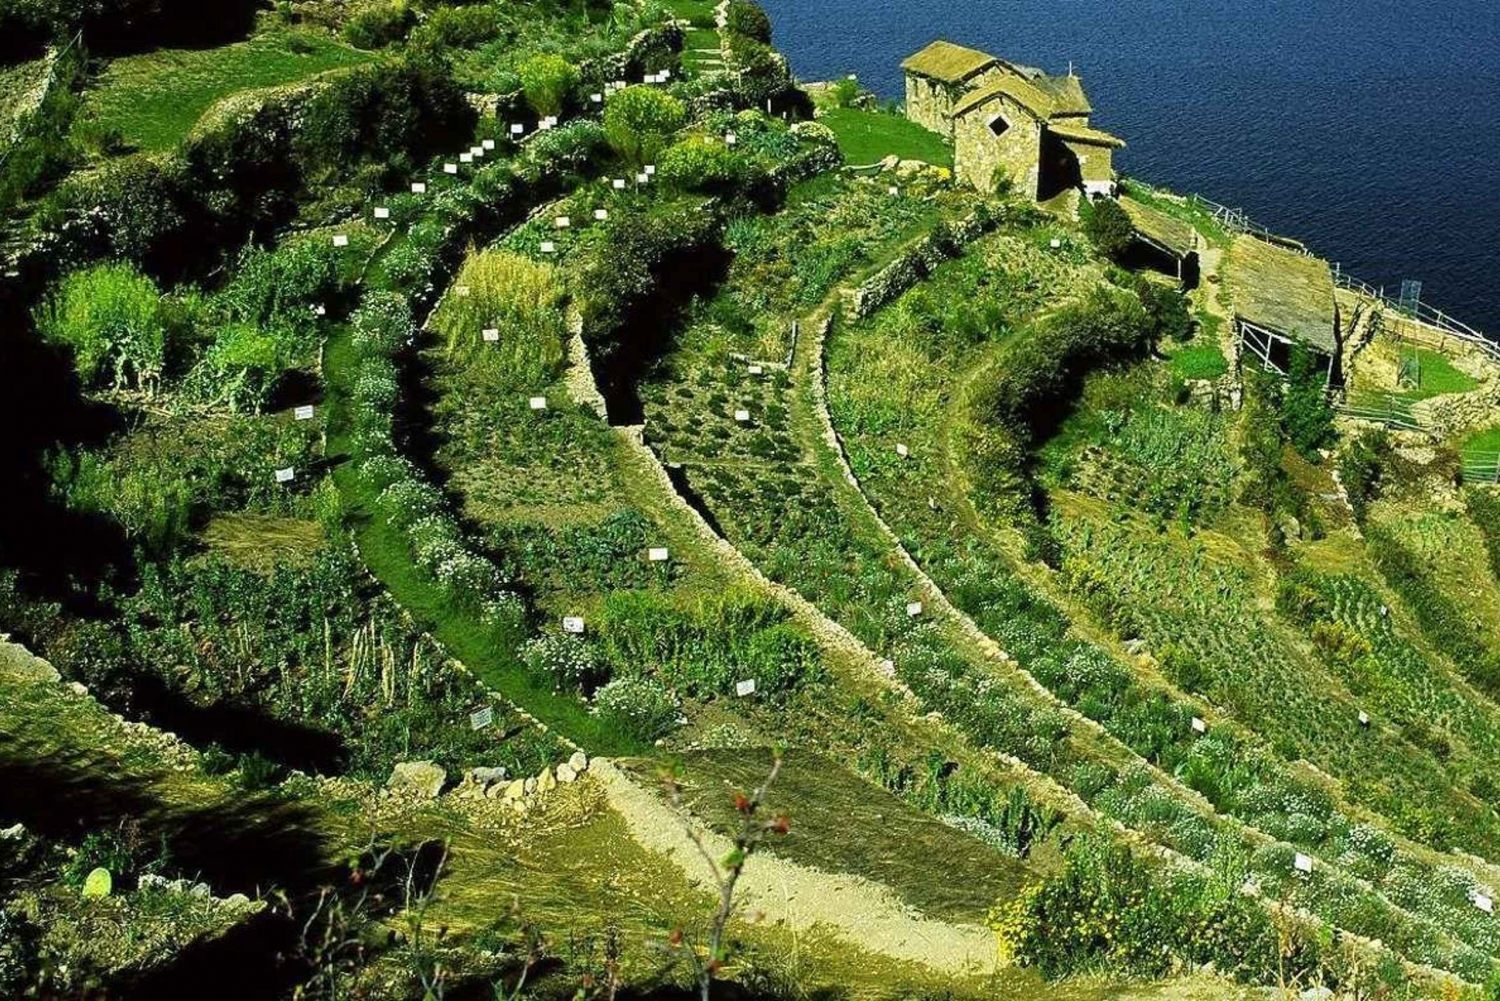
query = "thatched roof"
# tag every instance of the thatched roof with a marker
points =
(1095, 163)
(1066, 92)
(948, 63)
(1074, 133)
(1174, 235)
(1282, 291)
(1013, 87)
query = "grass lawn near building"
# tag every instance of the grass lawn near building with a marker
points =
(870, 136)
(154, 99)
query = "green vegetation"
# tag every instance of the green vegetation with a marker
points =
(1199, 361)
(151, 101)
(867, 137)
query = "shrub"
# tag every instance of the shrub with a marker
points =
(1110, 229)
(567, 663)
(701, 164)
(1305, 412)
(638, 121)
(642, 707)
(460, 27)
(571, 148)
(748, 20)
(1360, 470)
(109, 317)
(548, 81)
(379, 26)
(382, 325)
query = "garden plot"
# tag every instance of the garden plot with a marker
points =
(887, 393)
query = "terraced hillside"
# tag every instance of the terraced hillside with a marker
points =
(501, 510)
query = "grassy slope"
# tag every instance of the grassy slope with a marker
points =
(870, 136)
(153, 99)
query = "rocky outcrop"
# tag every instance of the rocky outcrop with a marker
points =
(20, 663)
(421, 779)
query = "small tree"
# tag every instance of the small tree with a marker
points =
(110, 317)
(548, 81)
(752, 832)
(747, 19)
(1305, 413)
(638, 121)
(1109, 227)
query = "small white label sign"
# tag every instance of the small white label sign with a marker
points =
(601, 214)
(618, 183)
(517, 129)
(658, 555)
(894, 190)
(597, 98)
(382, 213)
(731, 139)
(744, 688)
(491, 335)
(488, 144)
(743, 416)
(476, 151)
(1056, 243)
(466, 158)
(1364, 718)
(563, 222)
(1484, 903)
(537, 403)
(481, 719)
(642, 178)
(548, 247)
(902, 450)
(450, 168)
(303, 413)
(1199, 726)
(650, 169)
(418, 188)
(757, 370)
(1302, 862)
(341, 240)
(914, 609)
(573, 624)
(665, 74)
(286, 475)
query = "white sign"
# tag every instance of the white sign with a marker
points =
(537, 403)
(731, 139)
(597, 98)
(544, 125)
(320, 310)
(476, 151)
(619, 183)
(563, 222)
(643, 178)
(757, 370)
(418, 188)
(914, 609)
(893, 190)
(462, 291)
(466, 158)
(1364, 718)
(481, 719)
(743, 416)
(601, 214)
(450, 168)
(488, 144)
(650, 169)
(548, 247)
(1199, 726)
(1484, 903)
(286, 475)
(658, 555)
(382, 212)
(573, 624)
(491, 335)
(902, 450)
(743, 688)
(664, 74)
(1056, 243)
(517, 129)
(551, 119)
(341, 241)
(1302, 862)
(303, 413)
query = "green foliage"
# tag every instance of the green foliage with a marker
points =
(1107, 225)
(568, 663)
(516, 296)
(110, 318)
(382, 325)
(639, 120)
(701, 164)
(548, 81)
(745, 18)
(1306, 415)
(640, 706)
(125, 852)
(379, 25)
(1360, 470)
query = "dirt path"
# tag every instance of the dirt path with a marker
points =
(865, 913)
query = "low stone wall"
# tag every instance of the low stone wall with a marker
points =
(914, 264)
(1456, 413)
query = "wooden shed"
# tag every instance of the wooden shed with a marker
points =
(1282, 297)
(1163, 241)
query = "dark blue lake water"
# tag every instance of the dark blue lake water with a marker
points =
(1368, 128)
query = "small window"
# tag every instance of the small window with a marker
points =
(999, 126)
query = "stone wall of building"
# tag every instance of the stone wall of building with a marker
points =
(929, 103)
(977, 151)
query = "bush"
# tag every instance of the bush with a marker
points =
(572, 148)
(379, 26)
(382, 325)
(1305, 413)
(638, 120)
(109, 317)
(641, 707)
(520, 298)
(1110, 229)
(701, 164)
(567, 663)
(548, 81)
(747, 20)
(460, 27)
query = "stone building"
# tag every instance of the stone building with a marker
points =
(1010, 122)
